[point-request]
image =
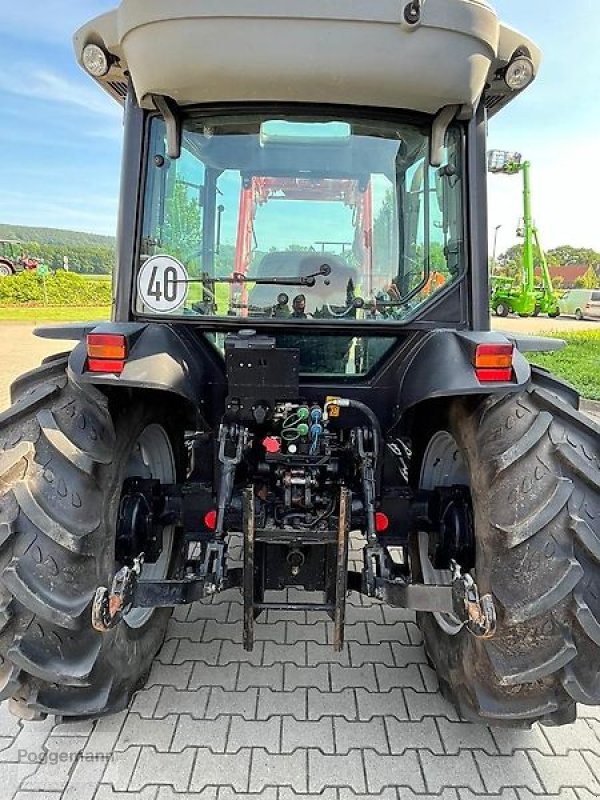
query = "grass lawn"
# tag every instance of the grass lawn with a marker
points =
(37, 314)
(578, 363)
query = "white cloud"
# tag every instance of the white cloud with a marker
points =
(50, 21)
(27, 80)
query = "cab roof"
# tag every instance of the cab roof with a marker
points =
(366, 53)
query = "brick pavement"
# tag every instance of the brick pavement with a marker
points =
(294, 719)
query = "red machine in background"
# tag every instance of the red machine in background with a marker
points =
(256, 192)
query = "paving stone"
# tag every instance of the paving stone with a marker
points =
(12, 777)
(214, 611)
(414, 634)
(221, 770)
(579, 736)
(157, 733)
(391, 616)
(234, 653)
(381, 704)
(163, 768)
(399, 677)
(210, 733)
(218, 631)
(359, 735)
(387, 794)
(353, 634)
(426, 704)
(361, 654)
(510, 741)
(207, 675)
(337, 770)
(404, 735)
(206, 652)
(120, 768)
(442, 772)
(303, 734)
(270, 632)
(311, 632)
(271, 793)
(230, 703)
(505, 794)
(398, 634)
(173, 701)
(177, 676)
(317, 654)
(407, 654)
(316, 677)
(145, 701)
(285, 654)
(285, 793)
(593, 761)
(279, 770)
(430, 679)
(46, 795)
(558, 773)
(262, 733)
(168, 651)
(337, 704)
(57, 761)
(372, 614)
(293, 703)
(384, 771)
(500, 772)
(565, 794)
(28, 743)
(457, 736)
(270, 677)
(346, 677)
(9, 724)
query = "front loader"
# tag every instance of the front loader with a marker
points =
(300, 353)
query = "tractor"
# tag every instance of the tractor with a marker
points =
(13, 260)
(299, 355)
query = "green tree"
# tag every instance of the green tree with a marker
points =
(589, 281)
(181, 235)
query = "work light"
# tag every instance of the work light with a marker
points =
(95, 60)
(519, 73)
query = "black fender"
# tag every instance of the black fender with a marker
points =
(442, 365)
(160, 357)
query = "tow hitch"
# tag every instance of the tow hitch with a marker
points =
(129, 591)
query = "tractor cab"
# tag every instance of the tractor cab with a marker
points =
(331, 216)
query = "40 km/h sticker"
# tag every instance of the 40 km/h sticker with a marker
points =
(163, 284)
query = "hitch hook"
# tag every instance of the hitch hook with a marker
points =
(109, 607)
(479, 613)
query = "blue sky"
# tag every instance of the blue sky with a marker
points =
(60, 136)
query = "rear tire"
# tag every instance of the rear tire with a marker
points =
(534, 467)
(579, 315)
(63, 458)
(502, 310)
(6, 271)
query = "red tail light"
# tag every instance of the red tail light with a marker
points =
(107, 352)
(493, 363)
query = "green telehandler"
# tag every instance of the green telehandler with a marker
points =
(524, 298)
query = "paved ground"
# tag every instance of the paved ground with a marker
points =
(543, 325)
(289, 721)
